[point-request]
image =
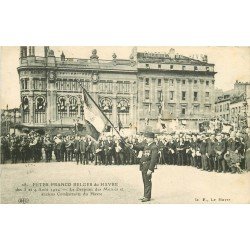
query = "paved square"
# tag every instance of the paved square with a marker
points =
(70, 183)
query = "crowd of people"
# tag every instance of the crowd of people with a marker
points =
(220, 152)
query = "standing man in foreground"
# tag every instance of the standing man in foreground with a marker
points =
(148, 162)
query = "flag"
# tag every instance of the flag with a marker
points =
(94, 117)
(119, 122)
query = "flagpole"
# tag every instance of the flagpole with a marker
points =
(100, 110)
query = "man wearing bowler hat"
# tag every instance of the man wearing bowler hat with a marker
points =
(147, 163)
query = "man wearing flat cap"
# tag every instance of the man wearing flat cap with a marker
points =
(148, 162)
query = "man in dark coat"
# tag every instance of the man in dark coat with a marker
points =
(220, 150)
(147, 164)
(77, 151)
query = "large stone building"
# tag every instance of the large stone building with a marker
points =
(137, 90)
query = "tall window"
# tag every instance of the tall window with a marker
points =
(183, 95)
(171, 66)
(159, 66)
(207, 83)
(196, 109)
(195, 96)
(147, 81)
(171, 95)
(159, 96)
(159, 82)
(183, 82)
(207, 94)
(183, 67)
(171, 82)
(146, 94)
(183, 110)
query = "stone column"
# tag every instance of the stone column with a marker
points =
(79, 106)
(114, 111)
(53, 105)
(67, 105)
(48, 106)
(31, 108)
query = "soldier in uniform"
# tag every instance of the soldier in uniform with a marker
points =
(4, 147)
(24, 149)
(211, 155)
(69, 148)
(220, 150)
(99, 153)
(233, 149)
(83, 150)
(13, 150)
(203, 151)
(180, 151)
(147, 164)
(48, 148)
(109, 151)
(57, 147)
(77, 149)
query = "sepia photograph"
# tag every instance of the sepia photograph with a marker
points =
(125, 125)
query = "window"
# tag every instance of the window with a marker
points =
(220, 108)
(25, 83)
(159, 66)
(183, 95)
(159, 82)
(196, 109)
(227, 106)
(147, 81)
(195, 96)
(171, 82)
(207, 83)
(171, 109)
(195, 81)
(183, 67)
(147, 65)
(207, 68)
(183, 111)
(146, 94)
(159, 96)
(126, 86)
(195, 68)
(171, 66)
(208, 109)
(171, 95)
(183, 82)
(207, 94)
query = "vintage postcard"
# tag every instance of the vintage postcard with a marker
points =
(131, 125)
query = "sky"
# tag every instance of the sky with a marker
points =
(231, 63)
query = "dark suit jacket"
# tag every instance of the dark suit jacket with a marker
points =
(83, 146)
(77, 146)
(149, 157)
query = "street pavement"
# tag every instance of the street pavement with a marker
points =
(58, 182)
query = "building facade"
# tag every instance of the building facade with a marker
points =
(238, 111)
(222, 108)
(135, 91)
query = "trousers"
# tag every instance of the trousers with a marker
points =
(147, 183)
